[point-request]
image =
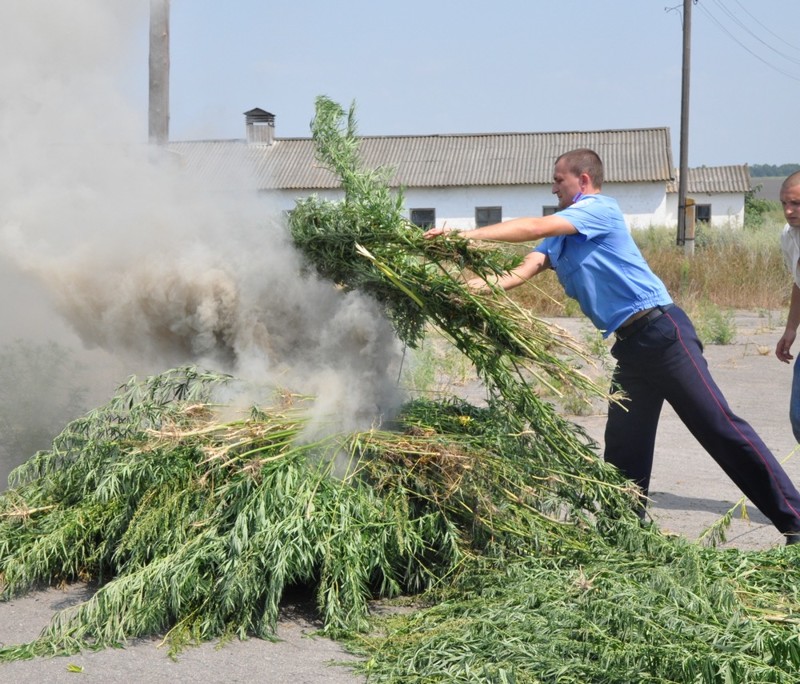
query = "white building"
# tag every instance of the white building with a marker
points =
(475, 179)
(718, 193)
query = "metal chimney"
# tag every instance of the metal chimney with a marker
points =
(259, 127)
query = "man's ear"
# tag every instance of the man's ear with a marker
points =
(584, 181)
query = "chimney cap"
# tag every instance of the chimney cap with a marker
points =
(259, 115)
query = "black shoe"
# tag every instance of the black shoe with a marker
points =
(792, 538)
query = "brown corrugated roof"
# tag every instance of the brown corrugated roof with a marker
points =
(429, 161)
(712, 179)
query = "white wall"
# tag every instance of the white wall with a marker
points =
(285, 200)
(727, 208)
(643, 204)
(456, 206)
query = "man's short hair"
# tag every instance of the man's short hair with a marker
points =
(584, 160)
(791, 180)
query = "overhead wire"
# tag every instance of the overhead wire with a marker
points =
(766, 28)
(747, 30)
(725, 30)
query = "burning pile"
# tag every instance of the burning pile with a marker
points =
(520, 539)
(197, 525)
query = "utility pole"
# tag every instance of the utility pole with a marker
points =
(158, 112)
(685, 237)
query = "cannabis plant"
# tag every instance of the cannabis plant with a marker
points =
(520, 545)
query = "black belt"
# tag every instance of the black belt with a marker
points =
(631, 329)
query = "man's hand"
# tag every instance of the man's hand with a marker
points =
(434, 232)
(477, 285)
(784, 345)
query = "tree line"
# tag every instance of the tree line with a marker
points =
(772, 170)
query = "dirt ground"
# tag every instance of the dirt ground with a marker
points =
(689, 493)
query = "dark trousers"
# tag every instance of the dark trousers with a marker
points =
(664, 361)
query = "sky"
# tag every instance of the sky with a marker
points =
(449, 66)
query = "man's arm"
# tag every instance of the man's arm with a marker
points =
(533, 264)
(792, 322)
(514, 230)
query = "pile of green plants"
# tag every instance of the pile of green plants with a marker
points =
(635, 608)
(517, 543)
(196, 526)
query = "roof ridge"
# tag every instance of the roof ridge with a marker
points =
(493, 134)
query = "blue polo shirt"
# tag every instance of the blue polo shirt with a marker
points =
(600, 266)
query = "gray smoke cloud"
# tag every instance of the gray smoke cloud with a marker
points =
(110, 248)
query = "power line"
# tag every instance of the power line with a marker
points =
(768, 30)
(722, 27)
(743, 26)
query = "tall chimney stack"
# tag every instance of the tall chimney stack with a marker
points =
(158, 115)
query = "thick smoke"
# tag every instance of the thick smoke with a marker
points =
(113, 250)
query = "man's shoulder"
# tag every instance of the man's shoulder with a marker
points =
(604, 200)
(596, 201)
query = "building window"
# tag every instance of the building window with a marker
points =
(424, 218)
(702, 212)
(486, 216)
(549, 210)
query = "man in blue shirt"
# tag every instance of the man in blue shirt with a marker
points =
(659, 356)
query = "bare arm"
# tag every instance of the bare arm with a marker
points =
(533, 264)
(515, 230)
(792, 322)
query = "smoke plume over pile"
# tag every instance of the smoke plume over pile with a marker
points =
(110, 248)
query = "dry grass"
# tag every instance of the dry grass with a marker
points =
(731, 268)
